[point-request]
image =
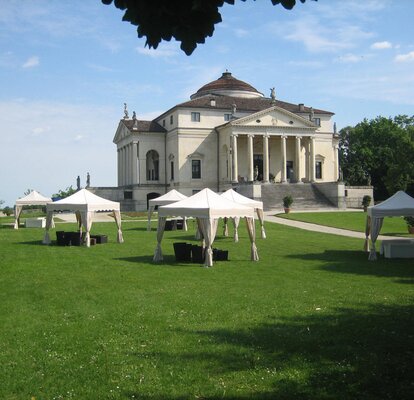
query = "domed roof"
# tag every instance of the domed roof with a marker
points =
(229, 86)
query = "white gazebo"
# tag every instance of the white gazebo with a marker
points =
(85, 204)
(170, 197)
(34, 198)
(398, 205)
(246, 201)
(207, 207)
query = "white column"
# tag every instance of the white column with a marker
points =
(127, 166)
(266, 158)
(336, 163)
(283, 153)
(250, 166)
(234, 167)
(122, 166)
(312, 159)
(118, 152)
(298, 160)
(134, 159)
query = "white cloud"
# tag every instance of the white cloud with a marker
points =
(241, 33)
(164, 50)
(31, 62)
(381, 45)
(409, 57)
(349, 58)
(320, 37)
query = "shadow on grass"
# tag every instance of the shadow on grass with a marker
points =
(33, 243)
(168, 262)
(364, 353)
(356, 262)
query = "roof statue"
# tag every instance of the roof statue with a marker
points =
(312, 114)
(272, 93)
(126, 116)
(233, 108)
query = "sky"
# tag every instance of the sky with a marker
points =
(67, 68)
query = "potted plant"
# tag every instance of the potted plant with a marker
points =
(287, 202)
(410, 224)
(366, 201)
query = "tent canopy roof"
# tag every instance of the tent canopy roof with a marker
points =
(33, 199)
(206, 204)
(399, 204)
(240, 199)
(171, 197)
(83, 200)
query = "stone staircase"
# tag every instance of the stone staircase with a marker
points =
(305, 196)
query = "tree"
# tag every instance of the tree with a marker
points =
(61, 194)
(188, 21)
(379, 152)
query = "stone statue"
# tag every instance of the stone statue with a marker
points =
(312, 114)
(126, 116)
(88, 180)
(256, 172)
(78, 182)
(134, 115)
(233, 108)
(272, 93)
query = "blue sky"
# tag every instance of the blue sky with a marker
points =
(67, 67)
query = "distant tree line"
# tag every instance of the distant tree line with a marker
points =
(379, 152)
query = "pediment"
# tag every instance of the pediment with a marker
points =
(121, 132)
(274, 117)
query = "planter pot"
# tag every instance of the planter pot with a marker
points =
(287, 210)
(365, 208)
(411, 229)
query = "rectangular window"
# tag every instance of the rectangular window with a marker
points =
(172, 170)
(195, 117)
(163, 122)
(227, 117)
(196, 169)
(318, 170)
(128, 195)
(317, 121)
(171, 119)
(195, 191)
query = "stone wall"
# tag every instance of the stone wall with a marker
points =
(354, 195)
(334, 192)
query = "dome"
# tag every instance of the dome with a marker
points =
(229, 86)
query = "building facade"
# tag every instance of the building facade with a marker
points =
(227, 135)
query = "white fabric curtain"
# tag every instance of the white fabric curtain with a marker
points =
(150, 210)
(236, 222)
(376, 224)
(367, 232)
(251, 228)
(86, 217)
(209, 229)
(261, 219)
(185, 227)
(225, 227)
(117, 216)
(160, 232)
(17, 212)
(198, 234)
(49, 221)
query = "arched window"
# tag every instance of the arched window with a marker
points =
(152, 166)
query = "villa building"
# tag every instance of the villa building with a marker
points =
(227, 135)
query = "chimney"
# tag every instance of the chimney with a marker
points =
(301, 107)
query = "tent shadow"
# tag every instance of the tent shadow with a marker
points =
(356, 262)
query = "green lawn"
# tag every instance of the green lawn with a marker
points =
(313, 319)
(354, 221)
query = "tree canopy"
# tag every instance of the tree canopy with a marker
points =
(187, 21)
(379, 152)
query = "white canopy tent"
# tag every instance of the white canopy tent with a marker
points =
(398, 205)
(85, 204)
(34, 198)
(240, 199)
(207, 207)
(171, 197)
